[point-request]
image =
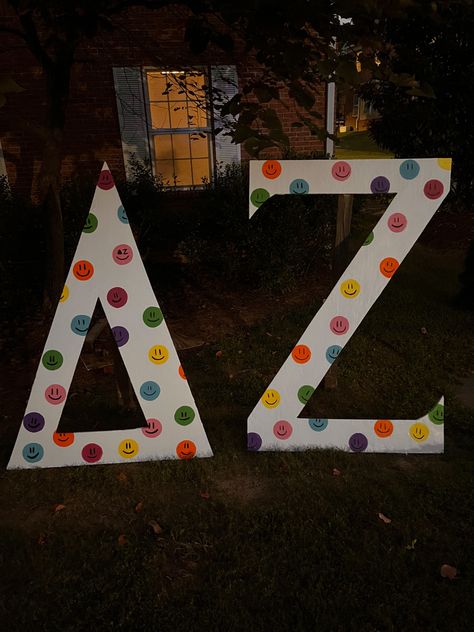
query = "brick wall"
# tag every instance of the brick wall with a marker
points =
(139, 38)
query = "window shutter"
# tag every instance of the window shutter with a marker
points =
(224, 79)
(132, 115)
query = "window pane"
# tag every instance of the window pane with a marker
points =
(197, 114)
(181, 146)
(201, 170)
(199, 146)
(163, 147)
(183, 172)
(156, 86)
(179, 115)
(160, 117)
(164, 168)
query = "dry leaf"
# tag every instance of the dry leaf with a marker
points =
(336, 472)
(218, 354)
(155, 526)
(121, 540)
(59, 507)
(384, 518)
(450, 572)
(42, 538)
(122, 477)
(139, 506)
(424, 331)
(411, 547)
(205, 495)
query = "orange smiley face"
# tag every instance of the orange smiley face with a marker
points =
(301, 354)
(388, 267)
(186, 449)
(383, 428)
(63, 439)
(83, 270)
(271, 169)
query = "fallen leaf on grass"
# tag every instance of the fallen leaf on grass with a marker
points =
(42, 539)
(450, 572)
(58, 507)
(218, 354)
(121, 540)
(139, 506)
(336, 472)
(424, 331)
(205, 495)
(384, 518)
(411, 547)
(122, 477)
(156, 527)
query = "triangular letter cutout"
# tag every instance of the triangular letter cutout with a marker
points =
(108, 266)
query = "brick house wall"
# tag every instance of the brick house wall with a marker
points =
(139, 38)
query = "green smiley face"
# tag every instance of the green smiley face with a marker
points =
(369, 240)
(91, 223)
(436, 415)
(152, 316)
(52, 360)
(304, 393)
(259, 196)
(184, 415)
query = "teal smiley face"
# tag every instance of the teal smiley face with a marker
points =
(259, 196)
(299, 186)
(409, 169)
(318, 425)
(436, 415)
(184, 415)
(149, 390)
(332, 353)
(122, 215)
(52, 360)
(80, 324)
(152, 316)
(91, 224)
(304, 393)
(33, 452)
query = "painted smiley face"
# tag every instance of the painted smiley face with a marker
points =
(64, 294)
(152, 316)
(117, 297)
(283, 430)
(259, 196)
(332, 353)
(91, 224)
(128, 448)
(350, 288)
(33, 422)
(436, 415)
(120, 335)
(254, 441)
(397, 222)
(445, 163)
(83, 270)
(299, 187)
(63, 439)
(154, 428)
(158, 354)
(339, 325)
(341, 170)
(271, 169)
(52, 360)
(433, 189)
(55, 394)
(369, 239)
(106, 182)
(383, 428)
(409, 169)
(304, 393)
(33, 452)
(122, 254)
(122, 215)
(184, 415)
(318, 425)
(419, 432)
(181, 373)
(388, 267)
(358, 442)
(271, 398)
(149, 390)
(80, 324)
(380, 184)
(92, 453)
(301, 354)
(186, 449)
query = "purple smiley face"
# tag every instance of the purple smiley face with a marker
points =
(120, 335)
(254, 442)
(380, 184)
(33, 422)
(358, 442)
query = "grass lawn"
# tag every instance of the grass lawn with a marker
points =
(286, 541)
(359, 145)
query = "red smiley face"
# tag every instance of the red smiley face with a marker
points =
(83, 270)
(433, 189)
(271, 169)
(341, 170)
(106, 182)
(91, 453)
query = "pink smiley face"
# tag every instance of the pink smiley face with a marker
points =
(282, 430)
(153, 429)
(339, 325)
(397, 222)
(106, 182)
(341, 170)
(433, 189)
(55, 394)
(91, 453)
(122, 254)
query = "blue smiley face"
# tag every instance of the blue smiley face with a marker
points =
(149, 390)
(332, 353)
(122, 215)
(33, 452)
(318, 424)
(299, 186)
(409, 169)
(80, 324)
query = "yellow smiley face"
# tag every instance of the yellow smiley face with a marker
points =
(350, 288)
(271, 398)
(419, 432)
(158, 354)
(128, 448)
(64, 294)
(445, 163)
